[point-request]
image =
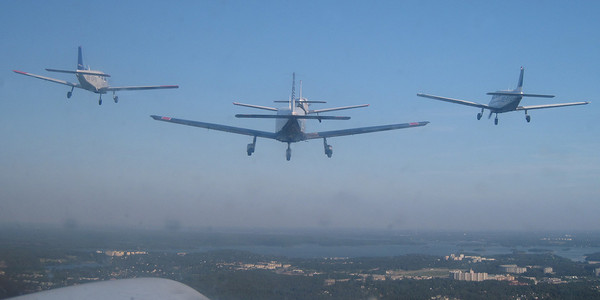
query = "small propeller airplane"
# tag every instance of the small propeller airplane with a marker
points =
(290, 123)
(505, 101)
(93, 81)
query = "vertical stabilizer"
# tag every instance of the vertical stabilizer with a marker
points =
(80, 60)
(293, 98)
(520, 84)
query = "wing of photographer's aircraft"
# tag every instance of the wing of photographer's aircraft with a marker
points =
(123, 289)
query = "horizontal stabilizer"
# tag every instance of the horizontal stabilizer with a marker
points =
(316, 111)
(303, 101)
(519, 94)
(255, 106)
(291, 117)
(84, 72)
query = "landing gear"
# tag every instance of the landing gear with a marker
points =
(250, 147)
(527, 117)
(115, 98)
(100, 100)
(70, 93)
(479, 115)
(328, 148)
(288, 153)
(496, 120)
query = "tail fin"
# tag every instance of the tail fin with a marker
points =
(520, 84)
(293, 98)
(80, 60)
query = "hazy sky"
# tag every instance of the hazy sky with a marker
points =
(74, 161)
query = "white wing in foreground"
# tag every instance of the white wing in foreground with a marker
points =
(123, 289)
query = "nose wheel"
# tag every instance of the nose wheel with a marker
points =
(70, 93)
(115, 98)
(496, 120)
(527, 117)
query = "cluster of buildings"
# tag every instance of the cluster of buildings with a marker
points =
(472, 258)
(120, 253)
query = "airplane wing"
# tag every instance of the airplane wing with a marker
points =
(457, 101)
(292, 117)
(316, 111)
(49, 79)
(133, 88)
(238, 130)
(255, 106)
(360, 130)
(121, 289)
(551, 105)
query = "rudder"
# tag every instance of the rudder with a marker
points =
(80, 60)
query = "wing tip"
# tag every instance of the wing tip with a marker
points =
(19, 72)
(160, 118)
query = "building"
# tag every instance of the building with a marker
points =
(512, 269)
(468, 276)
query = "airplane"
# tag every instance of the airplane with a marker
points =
(505, 101)
(290, 123)
(93, 81)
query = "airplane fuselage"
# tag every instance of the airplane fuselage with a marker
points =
(93, 83)
(290, 130)
(504, 103)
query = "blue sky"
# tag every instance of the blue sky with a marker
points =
(112, 165)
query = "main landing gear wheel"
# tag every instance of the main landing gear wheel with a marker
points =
(250, 148)
(116, 98)
(528, 118)
(288, 153)
(100, 101)
(496, 121)
(70, 93)
(328, 148)
(479, 115)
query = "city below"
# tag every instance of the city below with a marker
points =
(218, 264)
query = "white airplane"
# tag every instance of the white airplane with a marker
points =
(93, 81)
(290, 123)
(505, 101)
